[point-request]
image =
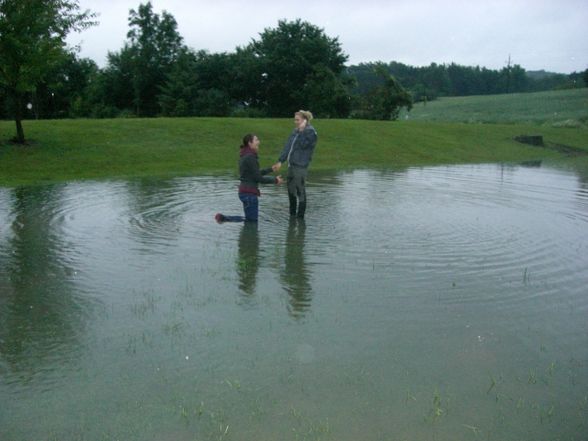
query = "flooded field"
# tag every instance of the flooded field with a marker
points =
(441, 303)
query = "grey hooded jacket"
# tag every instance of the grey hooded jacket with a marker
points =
(299, 147)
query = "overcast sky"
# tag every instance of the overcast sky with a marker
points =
(536, 34)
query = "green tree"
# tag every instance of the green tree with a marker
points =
(289, 56)
(200, 84)
(248, 81)
(216, 77)
(180, 91)
(154, 46)
(326, 94)
(460, 79)
(64, 88)
(514, 78)
(212, 102)
(32, 41)
(518, 79)
(384, 101)
(435, 80)
(116, 83)
(575, 80)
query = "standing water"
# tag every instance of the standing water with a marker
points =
(445, 303)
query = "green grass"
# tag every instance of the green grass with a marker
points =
(64, 150)
(555, 108)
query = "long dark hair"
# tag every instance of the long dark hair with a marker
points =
(246, 140)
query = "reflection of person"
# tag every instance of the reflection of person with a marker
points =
(298, 152)
(295, 276)
(250, 176)
(248, 262)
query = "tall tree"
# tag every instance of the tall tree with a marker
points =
(180, 90)
(289, 56)
(384, 101)
(64, 87)
(32, 41)
(199, 84)
(116, 92)
(249, 78)
(326, 94)
(154, 46)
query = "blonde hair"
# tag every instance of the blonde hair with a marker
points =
(305, 114)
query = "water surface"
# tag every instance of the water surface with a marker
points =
(444, 303)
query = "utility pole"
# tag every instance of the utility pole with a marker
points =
(508, 64)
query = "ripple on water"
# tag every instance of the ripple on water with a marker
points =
(411, 270)
(463, 224)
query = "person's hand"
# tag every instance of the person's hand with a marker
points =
(276, 167)
(279, 180)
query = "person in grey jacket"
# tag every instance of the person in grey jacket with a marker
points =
(298, 152)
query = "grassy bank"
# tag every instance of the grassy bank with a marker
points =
(96, 149)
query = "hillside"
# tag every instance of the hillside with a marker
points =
(561, 108)
(63, 150)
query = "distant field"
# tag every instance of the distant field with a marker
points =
(564, 108)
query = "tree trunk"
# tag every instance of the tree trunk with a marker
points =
(17, 103)
(20, 138)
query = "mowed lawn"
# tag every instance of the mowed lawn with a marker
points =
(62, 150)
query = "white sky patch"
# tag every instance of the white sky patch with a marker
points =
(541, 34)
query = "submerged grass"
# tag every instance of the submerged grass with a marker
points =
(64, 150)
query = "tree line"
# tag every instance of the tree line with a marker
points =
(440, 80)
(294, 65)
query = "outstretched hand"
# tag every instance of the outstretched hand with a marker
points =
(279, 180)
(276, 167)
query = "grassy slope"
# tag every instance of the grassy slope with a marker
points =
(94, 149)
(555, 107)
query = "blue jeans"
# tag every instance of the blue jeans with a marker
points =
(250, 207)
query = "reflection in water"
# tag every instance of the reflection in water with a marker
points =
(433, 283)
(295, 275)
(248, 261)
(40, 319)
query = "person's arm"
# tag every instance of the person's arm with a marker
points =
(266, 171)
(284, 155)
(256, 174)
(287, 146)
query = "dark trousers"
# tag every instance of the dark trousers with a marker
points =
(296, 180)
